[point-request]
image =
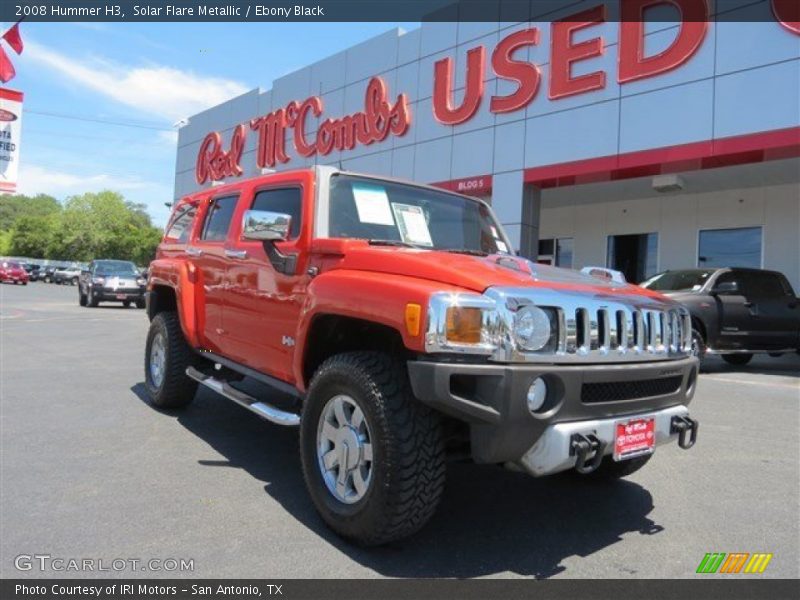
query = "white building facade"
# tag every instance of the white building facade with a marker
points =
(644, 147)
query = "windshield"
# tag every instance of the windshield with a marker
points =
(114, 267)
(386, 212)
(11, 265)
(677, 281)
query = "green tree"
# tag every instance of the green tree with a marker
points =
(13, 206)
(31, 235)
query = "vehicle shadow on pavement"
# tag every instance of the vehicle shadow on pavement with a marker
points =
(490, 521)
(787, 365)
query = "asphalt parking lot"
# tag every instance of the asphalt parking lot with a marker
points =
(89, 470)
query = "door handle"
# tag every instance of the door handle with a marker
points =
(193, 251)
(235, 253)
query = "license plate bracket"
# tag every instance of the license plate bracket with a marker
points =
(121, 296)
(634, 437)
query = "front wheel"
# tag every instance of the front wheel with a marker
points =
(737, 359)
(140, 303)
(82, 299)
(372, 455)
(126, 303)
(166, 358)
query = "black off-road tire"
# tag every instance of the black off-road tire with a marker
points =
(141, 303)
(610, 469)
(176, 389)
(738, 360)
(408, 467)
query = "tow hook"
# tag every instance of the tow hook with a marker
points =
(683, 426)
(588, 449)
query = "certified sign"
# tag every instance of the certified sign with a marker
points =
(10, 130)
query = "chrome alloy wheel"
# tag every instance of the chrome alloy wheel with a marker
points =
(157, 360)
(344, 449)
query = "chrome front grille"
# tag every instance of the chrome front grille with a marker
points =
(583, 331)
(607, 327)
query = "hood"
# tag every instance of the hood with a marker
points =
(474, 273)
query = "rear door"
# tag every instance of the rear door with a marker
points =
(775, 312)
(207, 252)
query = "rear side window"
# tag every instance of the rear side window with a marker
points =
(218, 219)
(764, 285)
(282, 200)
(181, 225)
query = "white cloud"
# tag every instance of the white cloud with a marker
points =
(35, 179)
(159, 90)
(169, 137)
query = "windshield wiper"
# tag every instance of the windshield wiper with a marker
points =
(468, 251)
(396, 243)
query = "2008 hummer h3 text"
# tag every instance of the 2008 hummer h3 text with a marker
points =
(405, 329)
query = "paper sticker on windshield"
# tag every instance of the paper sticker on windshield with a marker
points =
(412, 224)
(372, 204)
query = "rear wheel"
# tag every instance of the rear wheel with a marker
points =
(166, 358)
(737, 359)
(373, 456)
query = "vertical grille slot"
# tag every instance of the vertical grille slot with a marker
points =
(651, 331)
(622, 329)
(638, 330)
(603, 334)
(582, 320)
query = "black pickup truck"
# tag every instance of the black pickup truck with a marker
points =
(736, 312)
(111, 281)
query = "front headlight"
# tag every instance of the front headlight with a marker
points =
(141, 281)
(532, 328)
(463, 322)
(98, 280)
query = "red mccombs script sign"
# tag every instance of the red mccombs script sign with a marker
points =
(381, 118)
(378, 119)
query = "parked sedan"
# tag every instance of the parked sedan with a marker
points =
(111, 281)
(13, 272)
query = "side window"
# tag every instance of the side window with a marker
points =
(732, 276)
(181, 225)
(765, 285)
(218, 219)
(282, 200)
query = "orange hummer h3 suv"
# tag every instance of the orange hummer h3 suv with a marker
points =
(397, 327)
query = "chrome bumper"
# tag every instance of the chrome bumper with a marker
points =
(551, 452)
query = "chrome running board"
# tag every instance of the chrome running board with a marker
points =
(262, 409)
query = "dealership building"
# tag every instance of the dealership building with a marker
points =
(640, 146)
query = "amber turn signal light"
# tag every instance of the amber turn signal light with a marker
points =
(413, 316)
(464, 325)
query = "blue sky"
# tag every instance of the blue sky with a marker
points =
(150, 76)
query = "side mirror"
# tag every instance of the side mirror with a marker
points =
(726, 287)
(266, 226)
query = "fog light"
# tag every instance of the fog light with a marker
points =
(537, 394)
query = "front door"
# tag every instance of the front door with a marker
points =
(265, 295)
(736, 320)
(207, 252)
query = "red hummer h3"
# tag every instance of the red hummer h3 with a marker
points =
(398, 327)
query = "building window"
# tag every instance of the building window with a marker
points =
(740, 247)
(556, 251)
(635, 255)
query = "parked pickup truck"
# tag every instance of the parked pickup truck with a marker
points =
(400, 321)
(107, 280)
(735, 312)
